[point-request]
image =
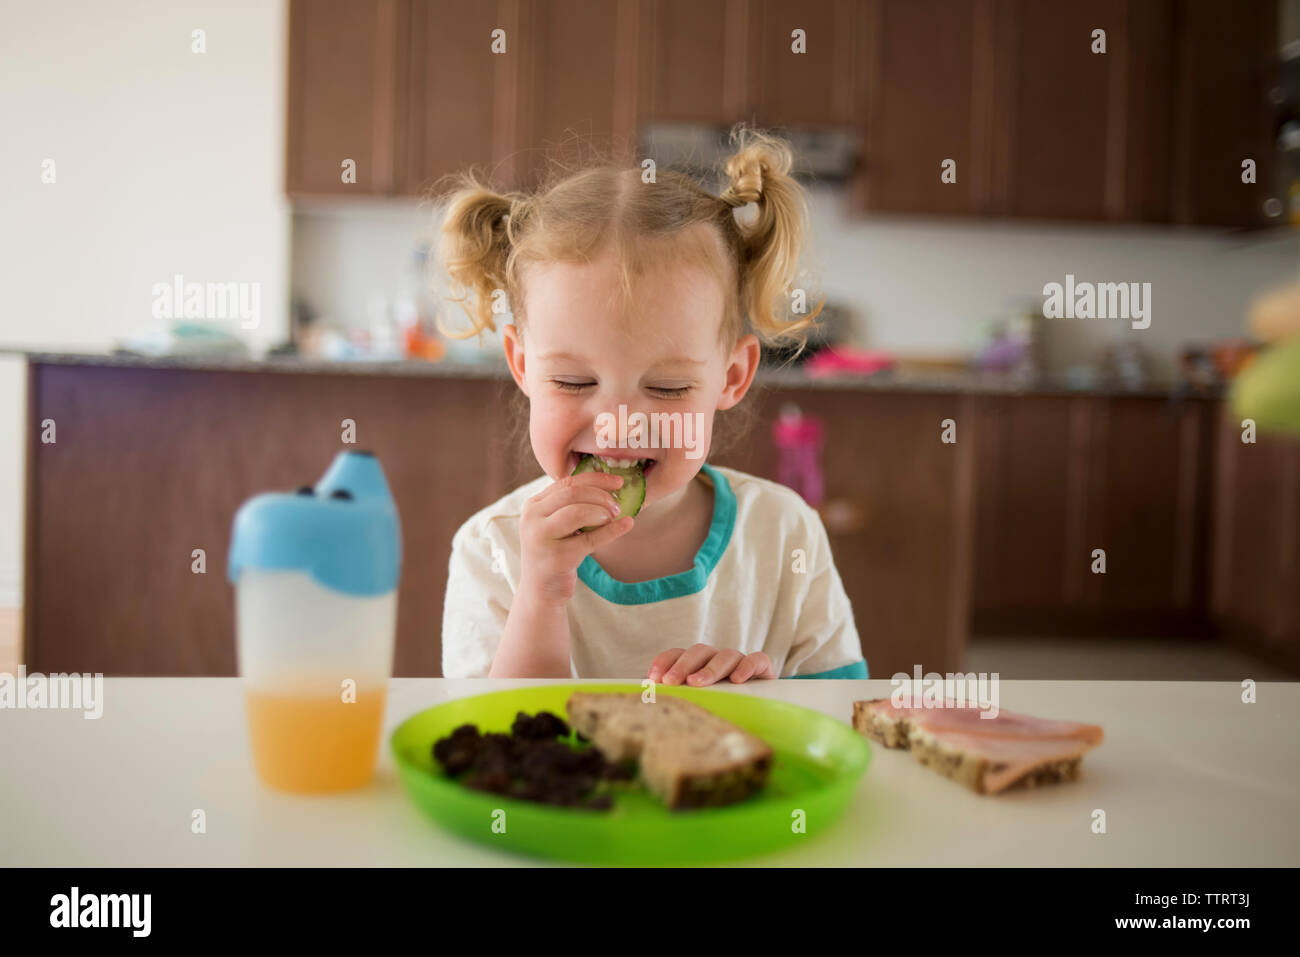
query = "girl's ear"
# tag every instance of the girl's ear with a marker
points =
(514, 347)
(740, 371)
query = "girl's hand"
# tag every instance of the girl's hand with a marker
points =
(551, 544)
(703, 665)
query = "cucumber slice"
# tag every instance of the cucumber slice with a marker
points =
(630, 495)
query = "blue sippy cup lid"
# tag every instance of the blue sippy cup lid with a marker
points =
(344, 532)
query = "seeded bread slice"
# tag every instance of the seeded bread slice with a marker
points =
(985, 765)
(689, 757)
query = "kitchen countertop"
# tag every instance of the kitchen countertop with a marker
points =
(1188, 776)
(901, 380)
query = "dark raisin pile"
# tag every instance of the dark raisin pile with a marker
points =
(530, 763)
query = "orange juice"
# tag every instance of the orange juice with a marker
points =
(311, 744)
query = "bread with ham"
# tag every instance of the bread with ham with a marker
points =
(987, 755)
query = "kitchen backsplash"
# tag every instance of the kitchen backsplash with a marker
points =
(915, 286)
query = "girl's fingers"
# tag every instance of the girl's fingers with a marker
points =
(718, 668)
(743, 671)
(550, 501)
(570, 518)
(663, 661)
(597, 480)
(688, 663)
(756, 665)
(597, 537)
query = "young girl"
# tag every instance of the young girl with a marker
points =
(640, 297)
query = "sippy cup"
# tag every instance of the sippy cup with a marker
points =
(315, 575)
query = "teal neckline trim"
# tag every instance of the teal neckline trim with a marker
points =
(856, 670)
(683, 583)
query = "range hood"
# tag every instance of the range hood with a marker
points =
(826, 155)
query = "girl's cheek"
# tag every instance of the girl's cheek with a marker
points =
(547, 430)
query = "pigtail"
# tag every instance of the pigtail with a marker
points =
(479, 230)
(759, 172)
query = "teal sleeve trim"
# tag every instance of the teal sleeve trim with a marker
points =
(685, 583)
(856, 670)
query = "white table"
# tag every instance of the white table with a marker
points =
(1188, 775)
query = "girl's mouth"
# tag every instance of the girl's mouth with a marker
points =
(614, 461)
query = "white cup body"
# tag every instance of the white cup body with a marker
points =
(296, 637)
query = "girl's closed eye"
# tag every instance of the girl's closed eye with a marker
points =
(669, 392)
(566, 386)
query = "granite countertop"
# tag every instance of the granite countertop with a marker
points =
(902, 380)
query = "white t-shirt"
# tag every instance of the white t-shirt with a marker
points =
(763, 580)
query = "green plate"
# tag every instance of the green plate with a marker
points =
(817, 765)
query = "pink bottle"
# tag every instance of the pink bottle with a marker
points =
(799, 446)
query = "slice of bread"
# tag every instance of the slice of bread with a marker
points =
(688, 756)
(1022, 752)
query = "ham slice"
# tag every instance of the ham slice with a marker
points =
(988, 755)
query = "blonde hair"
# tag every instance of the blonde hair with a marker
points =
(489, 238)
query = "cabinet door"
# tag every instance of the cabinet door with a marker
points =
(345, 60)
(457, 91)
(1257, 538)
(1058, 478)
(926, 103)
(1061, 150)
(693, 57)
(1226, 62)
(577, 90)
(820, 86)
(1146, 124)
(1029, 505)
(1148, 508)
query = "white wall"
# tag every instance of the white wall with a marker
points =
(167, 162)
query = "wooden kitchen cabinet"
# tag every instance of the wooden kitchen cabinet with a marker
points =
(719, 62)
(821, 87)
(1036, 123)
(577, 81)
(1153, 130)
(1226, 66)
(1077, 134)
(153, 462)
(1062, 156)
(408, 89)
(1039, 126)
(924, 110)
(693, 59)
(461, 106)
(1256, 555)
(1026, 503)
(346, 96)
(1148, 505)
(1059, 477)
